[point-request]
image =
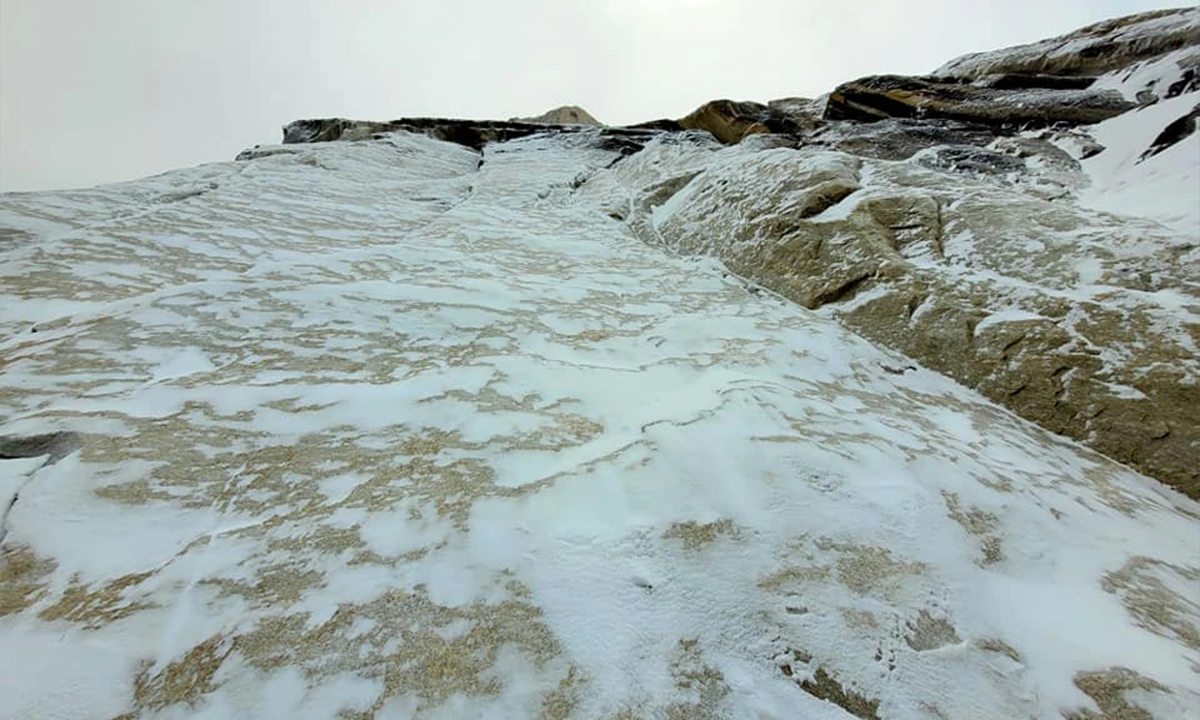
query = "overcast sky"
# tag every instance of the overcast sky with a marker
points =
(96, 91)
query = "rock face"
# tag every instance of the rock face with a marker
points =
(463, 132)
(565, 115)
(1176, 132)
(721, 417)
(1036, 102)
(1037, 85)
(1105, 47)
(973, 256)
(1069, 319)
(468, 133)
(730, 121)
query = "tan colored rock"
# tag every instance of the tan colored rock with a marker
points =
(565, 115)
(975, 279)
(897, 96)
(730, 121)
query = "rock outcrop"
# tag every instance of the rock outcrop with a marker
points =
(730, 121)
(473, 134)
(565, 115)
(1040, 102)
(1049, 83)
(1067, 318)
(1089, 52)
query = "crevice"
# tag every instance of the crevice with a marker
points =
(970, 324)
(182, 195)
(659, 193)
(1004, 351)
(914, 303)
(939, 234)
(841, 292)
(824, 196)
(1175, 132)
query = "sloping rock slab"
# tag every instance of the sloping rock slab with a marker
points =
(1093, 50)
(1081, 322)
(886, 96)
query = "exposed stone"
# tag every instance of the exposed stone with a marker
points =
(797, 106)
(1176, 132)
(1145, 586)
(899, 138)
(824, 686)
(469, 133)
(1188, 82)
(1019, 81)
(1108, 690)
(930, 633)
(898, 246)
(730, 121)
(1098, 48)
(965, 158)
(55, 446)
(565, 115)
(884, 96)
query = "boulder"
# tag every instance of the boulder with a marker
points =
(730, 121)
(565, 115)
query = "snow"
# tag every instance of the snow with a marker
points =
(1012, 315)
(1132, 37)
(489, 454)
(1164, 187)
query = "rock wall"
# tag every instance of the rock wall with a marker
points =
(943, 216)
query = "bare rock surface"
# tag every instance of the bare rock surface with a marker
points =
(565, 115)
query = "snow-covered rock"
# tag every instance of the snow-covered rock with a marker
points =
(1098, 49)
(428, 425)
(932, 256)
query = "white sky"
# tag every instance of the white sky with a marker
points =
(96, 91)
